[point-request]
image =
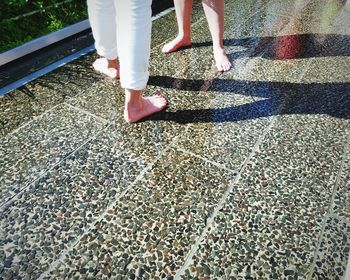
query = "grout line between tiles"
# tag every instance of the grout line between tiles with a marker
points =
(80, 110)
(42, 174)
(210, 221)
(139, 178)
(32, 120)
(65, 252)
(329, 213)
(345, 156)
(220, 166)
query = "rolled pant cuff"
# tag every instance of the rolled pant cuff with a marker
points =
(134, 80)
(110, 55)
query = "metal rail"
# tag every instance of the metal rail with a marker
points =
(42, 42)
(46, 41)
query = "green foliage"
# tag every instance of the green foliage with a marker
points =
(24, 20)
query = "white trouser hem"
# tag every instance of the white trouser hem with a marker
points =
(134, 80)
(110, 55)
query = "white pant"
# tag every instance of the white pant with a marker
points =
(122, 28)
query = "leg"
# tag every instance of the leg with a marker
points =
(214, 11)
(102, 21)
(183, 10)
(134, 42)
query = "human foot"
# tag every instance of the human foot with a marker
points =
(145, 106)
(107, 67)
(175, 44)
(221, 60)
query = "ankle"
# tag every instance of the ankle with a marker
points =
(184, 37)
(132, 97)
(218, 49)
(112, 63)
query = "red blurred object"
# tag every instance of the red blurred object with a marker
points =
(288, 47)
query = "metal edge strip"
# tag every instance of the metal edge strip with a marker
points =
(61, 62)
(43, 41)
(45, 70)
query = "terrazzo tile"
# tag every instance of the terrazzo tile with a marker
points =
(341, 207)
(270, 224)
(308, 11)
(54, 211)
(40, 145)
(279, 38)
(142, 235)
(332, 256)
(322, 100)
(15, 109)
(271, 70)
(100, 99)
(227, 130)
(253, 19)
(266, 53)
(40, 95)
(315, 17)
(330, 70)
(341, 23)
(264, 61)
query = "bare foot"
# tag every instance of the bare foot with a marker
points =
(221, 60)
(175, 44)
(107, 67)
(146, 106)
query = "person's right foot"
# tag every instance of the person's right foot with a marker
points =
(145, 107)
(107, 67)
(222, 62)
(175, 44)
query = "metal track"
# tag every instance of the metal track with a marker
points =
(42, 42)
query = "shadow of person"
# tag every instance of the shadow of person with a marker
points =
(268, 99)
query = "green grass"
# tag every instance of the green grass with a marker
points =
(24, 20)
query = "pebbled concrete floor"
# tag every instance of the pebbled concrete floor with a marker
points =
(245, 176)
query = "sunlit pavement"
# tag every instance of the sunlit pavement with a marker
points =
(245, 176)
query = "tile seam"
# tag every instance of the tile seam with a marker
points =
(220, 166)
(210, 221)
(100, 217)
(330, 211)
(340, 172)
(60, 259)
(32, 120)
(189, 258)
(42, 174)
(139, 178)
(88, 113)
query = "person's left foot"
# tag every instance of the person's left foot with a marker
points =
(146, 107)
(221, 60)
(107, 67)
